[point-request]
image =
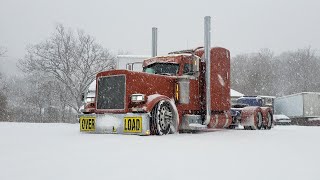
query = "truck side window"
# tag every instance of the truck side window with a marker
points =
(162, 68)
(187, 69)
(149, 70)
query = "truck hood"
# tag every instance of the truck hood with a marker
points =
(134, 83)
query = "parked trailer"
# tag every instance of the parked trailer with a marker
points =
(301, 108)
(305, 104)
(182, 91)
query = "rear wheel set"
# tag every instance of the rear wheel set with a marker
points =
(263, 121)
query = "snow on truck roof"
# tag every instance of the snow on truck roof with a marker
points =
(133, 56)
(171, 55)
(170, 58)
(177, 55)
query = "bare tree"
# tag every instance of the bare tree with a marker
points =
(299, 71)
(3, 107)
(3, 101)
(263, 73)
(123, 52)
(239, 72)
(252, 73)
(71, 59)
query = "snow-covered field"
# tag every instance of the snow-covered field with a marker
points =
(59, 151)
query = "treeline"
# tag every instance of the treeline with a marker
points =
(264, 73)
(57, 72)
(35, 99)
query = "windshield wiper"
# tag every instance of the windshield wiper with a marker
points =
(168, 74)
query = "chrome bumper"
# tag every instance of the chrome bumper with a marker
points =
(114, 123)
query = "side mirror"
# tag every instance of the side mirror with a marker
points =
(195, 65)
(82, 97)
(129, 66)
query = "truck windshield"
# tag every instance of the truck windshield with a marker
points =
(162, 68)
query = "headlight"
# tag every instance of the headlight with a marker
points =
(137, 98)
(89, 99)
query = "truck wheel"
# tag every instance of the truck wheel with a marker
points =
(163, 119)
(259, 124)
(260, 121)
(269, 121)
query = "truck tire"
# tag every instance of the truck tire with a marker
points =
(163, 119)
(251, 118)
(269, 121)
(260, 121)
(267, 117)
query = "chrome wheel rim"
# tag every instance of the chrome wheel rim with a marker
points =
(165, 117)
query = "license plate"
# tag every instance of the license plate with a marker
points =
(132, 124)
(87, 123)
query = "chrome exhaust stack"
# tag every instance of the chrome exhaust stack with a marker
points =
(154, 41)
(207, 48)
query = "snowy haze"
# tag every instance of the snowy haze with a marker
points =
(241, 26)
(59, 151)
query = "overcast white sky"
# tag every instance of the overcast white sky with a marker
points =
(239, 25)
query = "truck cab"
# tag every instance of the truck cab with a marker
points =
(265, 103)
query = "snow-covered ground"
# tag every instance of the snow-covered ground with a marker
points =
(59, 151)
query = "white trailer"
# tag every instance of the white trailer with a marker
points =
(130, 62)
(300, 105)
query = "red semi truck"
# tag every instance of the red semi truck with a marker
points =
(185, 90)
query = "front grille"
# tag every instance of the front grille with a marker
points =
(111, 92)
